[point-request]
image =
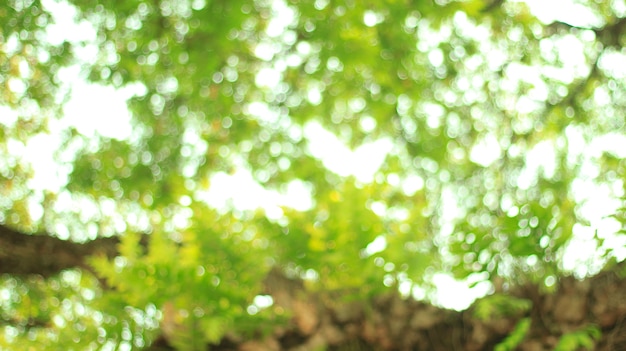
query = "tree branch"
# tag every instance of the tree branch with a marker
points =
(492, 6)
(609, 35)
(43, 254)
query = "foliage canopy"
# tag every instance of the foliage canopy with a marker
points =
(502, 138)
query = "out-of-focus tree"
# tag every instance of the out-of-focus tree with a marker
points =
(477, 141)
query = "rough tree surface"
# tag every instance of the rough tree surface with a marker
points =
(334, 321)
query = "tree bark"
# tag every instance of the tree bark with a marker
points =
(42, 254)
(328, 321)
(324, 320)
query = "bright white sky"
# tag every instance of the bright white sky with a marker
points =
(95, 109)
(568, 11)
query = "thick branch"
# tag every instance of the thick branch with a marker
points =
(333, 321)
(22, 253)
(386, 322)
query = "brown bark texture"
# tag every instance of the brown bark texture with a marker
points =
(42, 254)
(389, 322)
(328, 321)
